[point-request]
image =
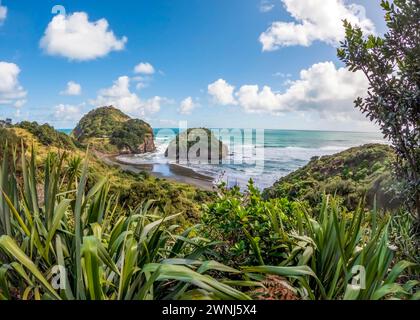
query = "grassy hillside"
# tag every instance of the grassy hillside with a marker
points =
(352, 174)
(132, 189)
(109, 130)
(99, 123)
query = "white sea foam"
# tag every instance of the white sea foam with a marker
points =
(265, 164)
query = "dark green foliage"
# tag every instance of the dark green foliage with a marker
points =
(110, 131)
(354, 174)
(47, 135)
(323, 250)
(177, 198)
(254, 231)
(179, 148)
(131, 135)
(392, 66)
(403, 235)
(99, 123)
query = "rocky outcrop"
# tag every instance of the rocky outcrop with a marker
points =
(197, 144)
(147, 146)
(110, 131)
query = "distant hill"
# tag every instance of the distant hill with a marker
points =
(47, 135)
(44, 138)
(198, 139)
(109, 130)
(352, 174)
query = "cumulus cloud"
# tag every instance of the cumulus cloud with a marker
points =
(252, 99)
(73, 89)
(321, 88)
(144, 68)
(320, 20)
(153, 105)
(11, 92)
(66, 112)
(3, 13)
(76, 38)
(187, 106)
(222, 92)
(120, 96)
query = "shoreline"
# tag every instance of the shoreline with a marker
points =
(168, 171)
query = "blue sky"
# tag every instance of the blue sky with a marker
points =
(202, 62)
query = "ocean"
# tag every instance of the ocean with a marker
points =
(264, 156)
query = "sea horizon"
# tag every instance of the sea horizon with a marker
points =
(69, 130)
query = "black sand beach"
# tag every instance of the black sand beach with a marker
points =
(172, 172)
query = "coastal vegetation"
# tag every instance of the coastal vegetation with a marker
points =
(131, 188)
(135, 136)
(320, 249)
(8, 136)
(357, 173)
(48, 136)
(67, 240)
(80, 245)
(392, 66)
(110, 131)
(73, 226)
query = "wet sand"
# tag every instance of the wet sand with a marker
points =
(172, 172)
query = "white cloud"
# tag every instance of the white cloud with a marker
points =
(76, 38)
(322, 88)
(320, 20)
(222, 92)
(120, 96)
(73, 89)
(154, 104)
(11, 92)
(251, 99)
(145, 71)
(66, 112)
(187, 106)
(266, 6)
(3, 13)
(144, 68)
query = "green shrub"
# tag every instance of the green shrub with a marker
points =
(254, 231)
(48, 136)
(321, 249)
(131, 135)
(356, 173)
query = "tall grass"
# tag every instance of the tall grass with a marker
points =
(342, 255)
(59, 240)
(326, 252)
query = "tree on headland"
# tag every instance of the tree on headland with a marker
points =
(392, 66)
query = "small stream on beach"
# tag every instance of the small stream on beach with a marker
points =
(265, 156)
